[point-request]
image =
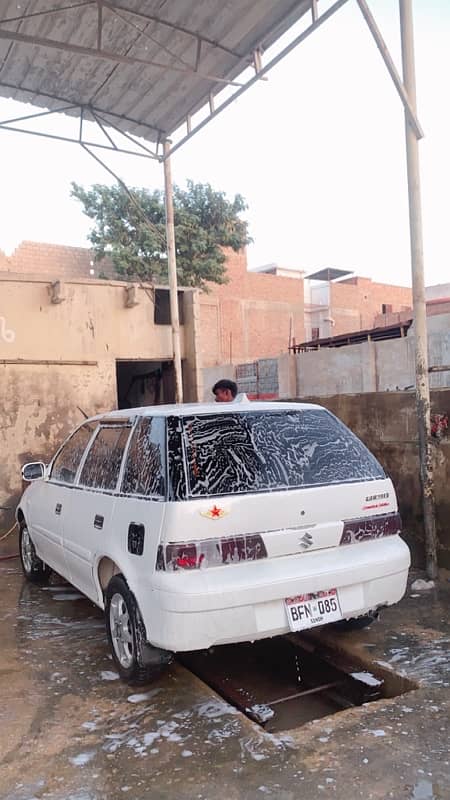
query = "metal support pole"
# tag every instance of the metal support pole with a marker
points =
(391, 68)
(418, 285)
(172, 268)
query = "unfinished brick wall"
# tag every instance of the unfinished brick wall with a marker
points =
(56, 261)
(250, 317)
(392, 318)
(356, 303)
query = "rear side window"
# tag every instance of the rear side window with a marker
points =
(264, 451)
(67, 461)
(102, 466)
(144, 472)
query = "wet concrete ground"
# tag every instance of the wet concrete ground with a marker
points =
(70, 730)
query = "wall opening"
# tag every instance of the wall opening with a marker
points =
(162, 314)
(144, 383)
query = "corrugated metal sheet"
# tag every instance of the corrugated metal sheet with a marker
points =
(142, 99)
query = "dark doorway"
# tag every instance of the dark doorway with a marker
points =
(162, 307)
(144, 383)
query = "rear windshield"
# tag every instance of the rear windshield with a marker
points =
(264, 451)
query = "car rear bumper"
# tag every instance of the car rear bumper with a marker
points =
(200, 608)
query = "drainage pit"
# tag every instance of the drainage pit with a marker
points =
(283, 684)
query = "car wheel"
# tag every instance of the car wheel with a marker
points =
(35, 570)
(356, 623)
(137, 661)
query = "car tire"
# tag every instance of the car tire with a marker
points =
(356, 623)
(136, 660)
(35, 570)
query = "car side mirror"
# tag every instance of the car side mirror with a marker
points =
(33, 471)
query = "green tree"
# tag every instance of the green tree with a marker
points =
(131, 231)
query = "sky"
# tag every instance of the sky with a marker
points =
(317, 151)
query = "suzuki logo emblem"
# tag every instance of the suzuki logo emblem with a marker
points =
(305, 541)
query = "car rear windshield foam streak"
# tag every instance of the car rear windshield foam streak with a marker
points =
(246, 452)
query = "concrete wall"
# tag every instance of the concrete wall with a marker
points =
(373, 366)
(438, 299)
(384, 366)
(438, 291)
(251, 316)
(387, 423)
(39, 408)
(55, 357)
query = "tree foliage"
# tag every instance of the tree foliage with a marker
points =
(133, 234)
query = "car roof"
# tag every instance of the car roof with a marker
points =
(240, 405)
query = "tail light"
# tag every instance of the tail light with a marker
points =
(210, 552)
(360, 530)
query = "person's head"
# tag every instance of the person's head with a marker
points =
(224, 390)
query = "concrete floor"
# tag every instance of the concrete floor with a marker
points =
(70, 730)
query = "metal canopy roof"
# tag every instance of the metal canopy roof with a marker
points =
(143, 67)
(328, 274)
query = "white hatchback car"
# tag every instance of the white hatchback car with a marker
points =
(200, 525)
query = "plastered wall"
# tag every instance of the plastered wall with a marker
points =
(58, 358)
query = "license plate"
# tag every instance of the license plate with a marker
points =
(308, 610)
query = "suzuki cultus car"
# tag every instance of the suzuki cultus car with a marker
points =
(200, 525)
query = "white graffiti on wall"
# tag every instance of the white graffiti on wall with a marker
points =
(7, 334)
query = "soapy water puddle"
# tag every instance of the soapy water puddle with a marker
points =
(275, 683)
(426, 659)
(69, 633)
(61, 635)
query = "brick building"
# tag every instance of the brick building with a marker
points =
(251, 316)
(257, 314)
(254, 315)
(352, 304)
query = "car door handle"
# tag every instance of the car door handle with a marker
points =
(98, 521)
(58, 508)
